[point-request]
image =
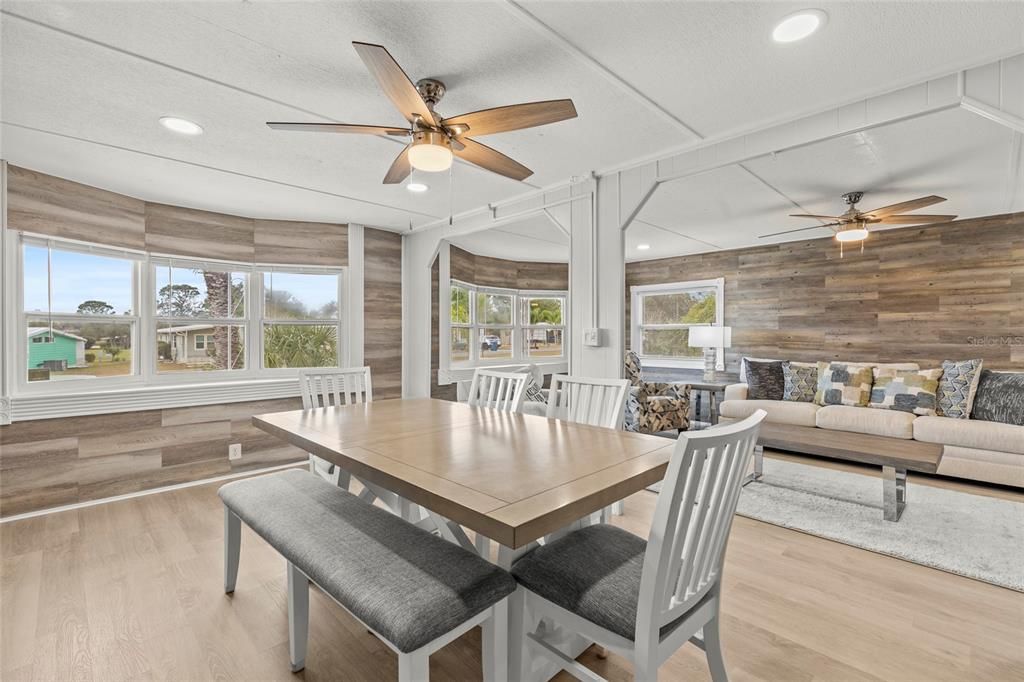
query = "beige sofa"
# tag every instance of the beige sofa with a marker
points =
(972, 449)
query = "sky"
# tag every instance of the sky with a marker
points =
(79, 277)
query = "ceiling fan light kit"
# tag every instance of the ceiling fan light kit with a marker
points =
(436, 140)
(855, 225)
(430, 151)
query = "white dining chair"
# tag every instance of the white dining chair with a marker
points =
(588, 400)
(503, 391)
(334, 388)
(643, 600)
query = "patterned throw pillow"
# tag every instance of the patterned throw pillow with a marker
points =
(841, 383)
(1000, 398)
(905, 390)
(957, 387)
(764, 379)
(532, 392)
(800, 381)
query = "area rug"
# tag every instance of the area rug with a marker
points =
(971, 535)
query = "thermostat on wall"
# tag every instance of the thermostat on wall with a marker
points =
(592, 337)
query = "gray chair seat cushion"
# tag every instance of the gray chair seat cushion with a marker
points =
(403, 582)
(593, 572)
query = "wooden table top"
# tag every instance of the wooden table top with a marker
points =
(512, 477)
(900, 453)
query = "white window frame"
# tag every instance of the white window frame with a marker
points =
(18, 360)
(262, 321)
(144, 376)
(637, 294)
(518, 327)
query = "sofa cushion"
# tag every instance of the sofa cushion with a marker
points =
(743, 366)
(841, 383)
(764, 379)
(905, 390)
(970, 433)
(957, 388)
(1004, 468)
(800, 381)
(779, 411)
(866, 420)
(1000, 398)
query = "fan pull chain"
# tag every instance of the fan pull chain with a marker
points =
(451, 195)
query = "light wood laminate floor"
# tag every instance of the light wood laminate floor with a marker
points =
(132, 591)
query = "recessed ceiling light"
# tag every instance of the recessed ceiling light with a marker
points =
(799, 25)
(417, 187)
(181, 125)
(642, 247)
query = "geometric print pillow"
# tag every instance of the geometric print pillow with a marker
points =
(841, 383)
(906, 390)
(957, 387)
(800, 381)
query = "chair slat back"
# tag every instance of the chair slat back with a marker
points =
(692, 521)
(503, 391)
(588, 400)
(335, 387)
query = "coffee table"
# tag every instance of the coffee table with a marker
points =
(896, 456)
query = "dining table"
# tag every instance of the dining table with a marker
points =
(516, 479)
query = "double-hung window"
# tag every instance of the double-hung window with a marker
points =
(301, 321)
(80, 316)
(199, 315)
(500, 326)
(543, 316)
(110, 317)
(663, 314)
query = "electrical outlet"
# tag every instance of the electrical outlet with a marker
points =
(235, 451)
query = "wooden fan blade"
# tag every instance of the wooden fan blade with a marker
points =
(903, 207)
(815, 216)
(396, 85)
(400, 168)
(801, 229)
(494, 161)
(513, 117)
(337, 128)
(920, 219)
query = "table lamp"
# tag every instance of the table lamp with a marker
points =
(710, 339)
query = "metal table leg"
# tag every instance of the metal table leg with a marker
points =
(758, 472)
(894, 492)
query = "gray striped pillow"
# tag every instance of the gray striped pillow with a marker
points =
(1000, 398)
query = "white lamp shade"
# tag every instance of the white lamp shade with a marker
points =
(711, 337)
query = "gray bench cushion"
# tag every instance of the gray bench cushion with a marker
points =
(593, 572)
(403, 582)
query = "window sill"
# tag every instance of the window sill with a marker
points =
(137, 398)
(455, 374)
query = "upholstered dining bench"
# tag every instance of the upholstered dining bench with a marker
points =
(414, 590)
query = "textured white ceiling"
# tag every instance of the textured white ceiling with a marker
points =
(955, 154)
(535, 238)
(84, 83)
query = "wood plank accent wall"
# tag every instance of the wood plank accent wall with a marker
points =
(55, 207)
(507, 274)
(52, 462)
(382, 305)
(490, 272)
(924, 295)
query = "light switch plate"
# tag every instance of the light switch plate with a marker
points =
(592, 337)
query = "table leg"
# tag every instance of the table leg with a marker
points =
(894, 492)
(713, 407)
(758, 473)
(696, 407)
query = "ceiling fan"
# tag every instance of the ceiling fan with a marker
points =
(435, 139)
(855, 225)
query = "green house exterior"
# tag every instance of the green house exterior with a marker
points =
(65, 348)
